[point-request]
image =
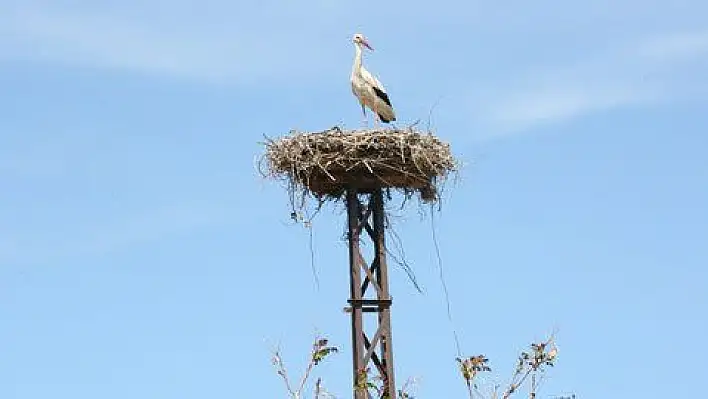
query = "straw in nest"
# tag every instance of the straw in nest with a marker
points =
(327, 163)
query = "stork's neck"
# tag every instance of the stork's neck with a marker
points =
(357, 58)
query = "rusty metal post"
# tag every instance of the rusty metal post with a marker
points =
(355, 294)
(382, 276)
(375, 279)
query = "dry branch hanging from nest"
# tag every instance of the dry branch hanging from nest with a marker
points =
(326, 163)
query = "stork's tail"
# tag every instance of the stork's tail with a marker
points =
(386, 114)
(386, 120)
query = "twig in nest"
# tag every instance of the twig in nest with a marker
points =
(324, 164)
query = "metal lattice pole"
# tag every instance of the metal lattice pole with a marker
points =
(369, 219)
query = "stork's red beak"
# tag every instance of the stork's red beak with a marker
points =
(366, 44)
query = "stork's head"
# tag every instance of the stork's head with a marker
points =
(360, 40)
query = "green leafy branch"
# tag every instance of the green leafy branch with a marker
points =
(530, 364)
(320, 350)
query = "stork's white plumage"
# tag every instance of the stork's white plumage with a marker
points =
(370, 92)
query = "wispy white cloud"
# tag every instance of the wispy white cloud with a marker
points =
(236, 42)
(563, 103)
(656, 70)
(273, 42)
(239, 49)
(111, 235)
(675, 48)
(107, 42)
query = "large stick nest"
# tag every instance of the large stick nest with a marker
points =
(327, 163)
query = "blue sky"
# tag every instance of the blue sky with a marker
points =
(142, 256)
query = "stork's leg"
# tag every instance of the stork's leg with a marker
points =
(365, 121)
(376, 118)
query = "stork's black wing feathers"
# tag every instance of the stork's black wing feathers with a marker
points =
(382, 95)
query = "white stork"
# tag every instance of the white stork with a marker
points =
(368, 89)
